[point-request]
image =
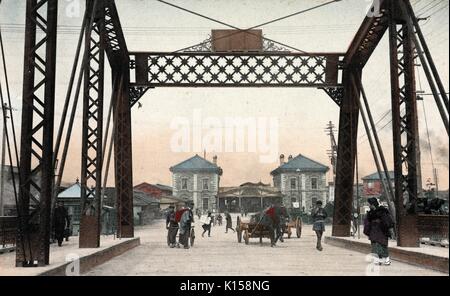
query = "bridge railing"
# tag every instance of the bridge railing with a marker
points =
(8, 231)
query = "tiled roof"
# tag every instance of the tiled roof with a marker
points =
(302, 163)
(196, 163)
(164, 187)
(73, 191)
(142, 199)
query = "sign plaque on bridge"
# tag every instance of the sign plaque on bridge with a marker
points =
(237, 41)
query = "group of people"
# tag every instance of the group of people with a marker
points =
(210, 221)
(179, 221)
(378, 226)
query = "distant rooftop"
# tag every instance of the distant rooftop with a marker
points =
(376, 176)
(301, 163)
(196, 164)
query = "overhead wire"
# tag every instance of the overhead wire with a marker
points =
(244, 30)
(21, 215)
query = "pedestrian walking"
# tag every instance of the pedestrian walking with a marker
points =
(378, 226)
(319, 215)
(219, 219)
(61, 222)
(172, 227)
(229, 222)
(207, 225)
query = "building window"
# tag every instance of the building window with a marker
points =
(370, 185)
(184, 183)
(205, 184)
(76, 213)
(293, 183)
(314, 183)
(205, 203)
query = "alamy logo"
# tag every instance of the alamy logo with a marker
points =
(73, 268)
(73, 8)
(374, 9)
(232, 134)
(373, 268)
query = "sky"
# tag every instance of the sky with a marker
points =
(301, 114)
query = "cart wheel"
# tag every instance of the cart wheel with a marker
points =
(192, 238)
(246, 238)
(299, 227)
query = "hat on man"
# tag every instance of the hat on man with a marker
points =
(373, 201)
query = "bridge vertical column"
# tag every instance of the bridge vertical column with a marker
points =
(346, 155)
(123, 152)
(92, 139)
(36, 148)
(405, 126)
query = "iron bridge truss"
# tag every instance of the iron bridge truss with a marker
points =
(137, 72)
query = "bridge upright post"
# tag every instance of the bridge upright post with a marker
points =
(123, 152)
(92, 138)
(36, 149)
(345, 168)
(405, 125)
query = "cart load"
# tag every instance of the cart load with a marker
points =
(260, 225)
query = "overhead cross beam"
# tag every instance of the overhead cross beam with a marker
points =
(159, 69)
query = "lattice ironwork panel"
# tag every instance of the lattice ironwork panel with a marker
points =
(233, 70)
(36, 152)
(116, 47)
(405, 108)
(136, 93)
(405, 125)
(335, 93)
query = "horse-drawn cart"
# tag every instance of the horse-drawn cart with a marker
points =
(253, 227)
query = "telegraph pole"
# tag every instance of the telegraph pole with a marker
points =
(330, 129)
(2, 177)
